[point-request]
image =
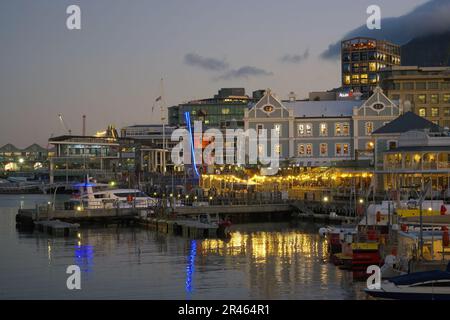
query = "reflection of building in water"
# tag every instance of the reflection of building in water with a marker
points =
(276, 262)
(84, 256)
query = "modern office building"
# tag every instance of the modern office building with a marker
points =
(425, 91)
(362, 59)
(322, 133)
(225, 109)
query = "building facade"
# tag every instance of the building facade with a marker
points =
(226, 109)
(425, 91)
(362, 59)
(321, 133)
(32, 158)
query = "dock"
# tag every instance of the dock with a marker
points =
(186, 228)
(57, 228)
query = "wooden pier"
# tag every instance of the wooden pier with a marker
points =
(57, 228)
(186, 228)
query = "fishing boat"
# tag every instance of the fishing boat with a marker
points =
(426, 285)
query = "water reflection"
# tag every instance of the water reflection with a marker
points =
(261, 261)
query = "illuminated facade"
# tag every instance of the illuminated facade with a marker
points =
(425, 91)
(323, 133)
(362, 59)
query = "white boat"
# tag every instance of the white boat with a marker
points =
(89, 198)
(427, 285)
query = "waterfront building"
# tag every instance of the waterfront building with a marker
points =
(387, 137)
(103, 158)
(362, 60)
(224, 110)
(323, 133)
(425, 91)
(32, 158)
(419, 156)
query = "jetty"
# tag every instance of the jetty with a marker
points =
(57, 228)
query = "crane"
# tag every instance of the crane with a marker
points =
(64, 124)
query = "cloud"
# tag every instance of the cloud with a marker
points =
(244, 72)
(210, 64)
(295, 58)
(429, 18)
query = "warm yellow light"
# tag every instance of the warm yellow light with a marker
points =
(325, 199)
(21, 160)
(79, 208)
(361, 201)
(430, 209)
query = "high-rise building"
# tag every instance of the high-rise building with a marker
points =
(362, 59)
(425, 91)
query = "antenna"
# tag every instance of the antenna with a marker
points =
(84, 125)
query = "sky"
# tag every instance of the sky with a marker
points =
(110, 70)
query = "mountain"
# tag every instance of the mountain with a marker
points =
(427, 51)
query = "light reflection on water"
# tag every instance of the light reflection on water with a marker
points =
(260, 261)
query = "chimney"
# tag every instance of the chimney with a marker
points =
(84, 125)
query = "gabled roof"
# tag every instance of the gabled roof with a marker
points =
(323, 108)
(9, 148)
(407, 122)
(34, 148)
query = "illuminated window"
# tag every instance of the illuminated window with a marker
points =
(364, 78)
(226, 111)
(423, 112)
(301, 149)
(309, 149)
(369, 128)
(345, 149)
(435, 112)
(355, 79)
(323, 149)
(346, 129)
(278, 149)
(347, 79)
(323, 129)
(337, 129)
(422, 98)
(277, 128)
(446, 98)
(342, 149)
(338, 149)
(434, 98)
(372, 66)
(305, 129)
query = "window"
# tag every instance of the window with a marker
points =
(369, 128)
(259, 128)
(409, 97)
(447, 111)
(422, 98)
(433, 85)
(408, 86)
(305, 150)
(226, 111)
(435, 112)
(364, 78)
(301, 149)
(346, 129)
(423, 112)
(372, 66)
(278, 149)
(323, 149)
(434, 98)
(421, 86)
(342, 149)
(446, 98)
(305, 129)
(337, 129)
(323, 129)
(309, 149)
(277, 128)
(347, 79)
(355, 79)
(392, 144)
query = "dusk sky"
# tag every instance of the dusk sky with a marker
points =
(110, 70)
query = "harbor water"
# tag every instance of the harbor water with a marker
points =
(260, 261)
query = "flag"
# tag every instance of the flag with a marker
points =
(158, 99)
